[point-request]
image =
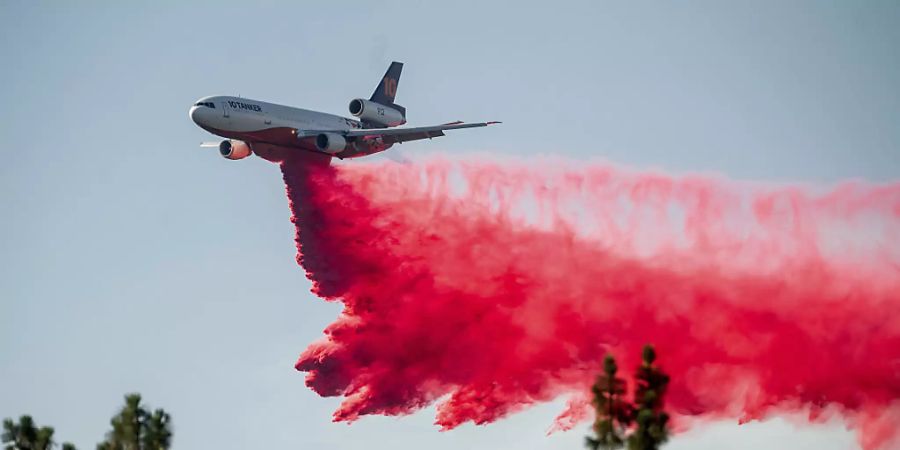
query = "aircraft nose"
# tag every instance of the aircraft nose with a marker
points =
(195, 114)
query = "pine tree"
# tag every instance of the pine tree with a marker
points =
(613, 413)
(651, 429)
(135, 428)
(24, 434)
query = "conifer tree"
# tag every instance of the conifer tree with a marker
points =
(613, 413)
(651, 421)
(136, 428)
(24, 434)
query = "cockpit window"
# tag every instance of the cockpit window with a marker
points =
(206, 104)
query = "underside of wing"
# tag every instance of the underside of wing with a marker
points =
(401, 138)
(398, 135)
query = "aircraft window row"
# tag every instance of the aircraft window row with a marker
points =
(207, 104)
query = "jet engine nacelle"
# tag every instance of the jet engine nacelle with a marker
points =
(370, 111)
(232, 149)
(330, 143)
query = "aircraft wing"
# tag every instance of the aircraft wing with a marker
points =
(398, 135)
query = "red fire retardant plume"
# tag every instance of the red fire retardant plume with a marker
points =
(490, 287)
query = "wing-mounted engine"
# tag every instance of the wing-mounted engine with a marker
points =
(233, 149)
(330, 143)
(378, 114)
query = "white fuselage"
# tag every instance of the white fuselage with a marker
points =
(256, 122)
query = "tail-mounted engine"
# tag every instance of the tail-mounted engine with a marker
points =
(232, 149)
(378, 114)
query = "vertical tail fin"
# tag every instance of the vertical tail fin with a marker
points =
(387, 89)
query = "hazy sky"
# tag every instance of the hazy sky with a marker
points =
(133, 260)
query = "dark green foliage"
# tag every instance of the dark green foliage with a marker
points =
(25, 435)
(136, 428)
(615, 415)
(613, 412)
(651, 429)
(159, 431)
(133, 428)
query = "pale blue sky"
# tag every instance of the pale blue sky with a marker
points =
(132, 260)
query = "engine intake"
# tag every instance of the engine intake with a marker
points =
(232, 149)
(377, 113)
(330, 143)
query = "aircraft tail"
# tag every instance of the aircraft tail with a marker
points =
(387, 89)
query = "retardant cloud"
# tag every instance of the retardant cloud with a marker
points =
(490, 287)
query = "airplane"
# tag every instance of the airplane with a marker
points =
(273, 131)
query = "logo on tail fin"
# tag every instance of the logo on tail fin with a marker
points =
(390, 87)
(387, 90)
